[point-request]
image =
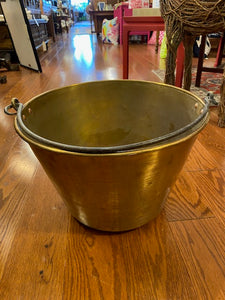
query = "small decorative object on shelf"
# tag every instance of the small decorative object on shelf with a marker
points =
(39, 33)
(32, 3)
(59, 8)
(101, 6)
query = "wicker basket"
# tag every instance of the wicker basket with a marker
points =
(195, 16)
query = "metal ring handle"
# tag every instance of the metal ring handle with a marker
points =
(14, 104)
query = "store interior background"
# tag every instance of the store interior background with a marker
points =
(46, 254)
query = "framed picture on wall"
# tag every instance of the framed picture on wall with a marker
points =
(101, 6)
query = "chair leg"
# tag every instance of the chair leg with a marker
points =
(200, 61)
(219, 55)
(157, 42)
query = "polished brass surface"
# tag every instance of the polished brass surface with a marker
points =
(114, 191)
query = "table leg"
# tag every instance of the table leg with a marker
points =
(60, 26)
(219, 55)
(157, 42)
(91, 20)
(125, 53)
(179, 65)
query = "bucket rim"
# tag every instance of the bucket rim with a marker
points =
(31, 137)
(118, 153)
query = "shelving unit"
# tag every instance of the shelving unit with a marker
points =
(6, 44)
(32, 4)
(56, 15)
(39, 32)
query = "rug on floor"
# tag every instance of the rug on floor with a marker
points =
(210, 82)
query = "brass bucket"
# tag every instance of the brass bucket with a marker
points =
(114, 148)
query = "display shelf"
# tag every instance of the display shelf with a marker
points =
(31, 4)
(6, 44)
(39, 32)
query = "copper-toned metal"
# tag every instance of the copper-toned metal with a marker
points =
(115, 190)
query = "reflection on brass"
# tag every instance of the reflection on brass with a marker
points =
(120, 190)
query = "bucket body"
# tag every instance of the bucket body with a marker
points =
(115, 178)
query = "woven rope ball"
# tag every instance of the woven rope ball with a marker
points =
(196, 16)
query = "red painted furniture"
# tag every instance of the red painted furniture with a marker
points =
(179, 66)
(121, 11)
(151, 24)
(137, 24)
(220, 50)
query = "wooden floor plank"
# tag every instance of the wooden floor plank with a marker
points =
(213, 139)
(86, 264)
(203, 250)
(211, 187)
(200, 159)
(37, 256)
(135, 272)
(18, 169)
(186, 201)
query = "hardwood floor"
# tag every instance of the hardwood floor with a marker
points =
(47, 254)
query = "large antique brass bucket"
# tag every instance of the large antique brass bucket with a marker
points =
(113, 149)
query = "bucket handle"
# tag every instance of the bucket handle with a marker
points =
(15, 104)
